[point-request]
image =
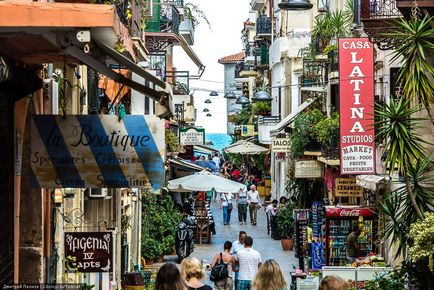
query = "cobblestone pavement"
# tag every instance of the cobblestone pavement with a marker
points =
(267, 247)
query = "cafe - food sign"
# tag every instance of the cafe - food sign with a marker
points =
(97, 151)
(280, 145)
(356, 80)
(191, 136)
(88, 252)
(348, 187)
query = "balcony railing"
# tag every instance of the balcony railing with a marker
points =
(180, 81)
(265, 120)
(166, 19)
(379, 9)
(263, 25)
(312, 73)
(157, 62)
(176, 3)
(243, 67)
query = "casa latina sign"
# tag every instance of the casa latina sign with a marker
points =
(356, 80)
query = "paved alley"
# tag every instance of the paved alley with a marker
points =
(267, 247)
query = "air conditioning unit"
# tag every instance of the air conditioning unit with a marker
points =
(51, 97)
(97, 193)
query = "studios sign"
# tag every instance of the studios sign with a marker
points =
(356, 79)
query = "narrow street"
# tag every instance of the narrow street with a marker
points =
(267, 247)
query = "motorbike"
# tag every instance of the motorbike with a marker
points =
(184, 240)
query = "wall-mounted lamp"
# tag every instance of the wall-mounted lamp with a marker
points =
(58, 196)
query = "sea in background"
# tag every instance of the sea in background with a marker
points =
(219, 140)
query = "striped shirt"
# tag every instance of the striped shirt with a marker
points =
(249, 260)
(242, 197)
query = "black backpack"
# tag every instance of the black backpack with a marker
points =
(220, 271)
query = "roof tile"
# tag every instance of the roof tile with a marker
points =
(233, 58)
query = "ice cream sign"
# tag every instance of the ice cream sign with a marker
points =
(356, 81)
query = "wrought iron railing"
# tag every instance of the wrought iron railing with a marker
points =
(165, 19)
(313, 73)
(263, 25)
(240, 67)
(379, 9)
(180, 81)
(157, 62)
(177, 3)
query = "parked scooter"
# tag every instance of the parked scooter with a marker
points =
(184, 241)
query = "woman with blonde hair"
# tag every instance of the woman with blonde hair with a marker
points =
(193, 274)
(269, 277)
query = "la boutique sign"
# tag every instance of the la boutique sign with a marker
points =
(356, 79)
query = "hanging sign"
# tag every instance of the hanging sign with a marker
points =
(280, 157)
(191, 136)
(356, 81)
(87, 252)
(280, 145)
(348, 187)
(308, 169)
(97, 151)
(247, 130)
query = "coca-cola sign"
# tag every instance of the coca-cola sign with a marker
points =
(88, 251)
(350, 212)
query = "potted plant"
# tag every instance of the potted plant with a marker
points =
(285, 224)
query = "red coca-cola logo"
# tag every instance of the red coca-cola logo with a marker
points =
(352, 212)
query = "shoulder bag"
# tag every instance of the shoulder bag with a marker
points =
(220, 271)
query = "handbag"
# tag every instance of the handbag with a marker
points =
(229, 205)
(220, 271)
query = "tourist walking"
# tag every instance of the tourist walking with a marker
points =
(193, 274)
(227, 258)
(226, 204)
(269, 277)
(242, 206)
(236, 247)
(169, 278)
(249, 261)
(253, 201)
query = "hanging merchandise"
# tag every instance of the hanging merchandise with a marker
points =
(318, 218)
(300, 243)
(318, 258)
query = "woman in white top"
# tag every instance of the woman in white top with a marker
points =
(226, 204)
(225, 284)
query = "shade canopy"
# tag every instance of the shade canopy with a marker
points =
(204, 181)
(245, 147)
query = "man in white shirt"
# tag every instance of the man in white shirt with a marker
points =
(216, 160)
(253, 201)
(236, 247)
(249, 261)
(270, 211)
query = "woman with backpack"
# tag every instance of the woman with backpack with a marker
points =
(222, 267)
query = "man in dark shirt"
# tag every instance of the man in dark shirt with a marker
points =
(353, 247)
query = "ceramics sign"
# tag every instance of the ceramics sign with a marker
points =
(191, 136)
(348, 187)
(356, 81)
(87, 252)
(97, 151)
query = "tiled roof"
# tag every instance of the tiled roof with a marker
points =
(249, 23)
(233, 58)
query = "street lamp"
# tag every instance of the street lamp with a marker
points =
(262, 96)
(242, 100)
(205, 110)
(208, 115)
(213, 94)
(295, 5)
(207, 101)
(230, 95)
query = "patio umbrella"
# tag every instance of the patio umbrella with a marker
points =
(245, 148)
(204, 181)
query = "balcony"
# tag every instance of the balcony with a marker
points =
(263, 26)
(265, 124)
(165, 19)
(179, 81)
(257, 5)
(267, 120)
(186, 30)
(244, 70)
(313, 73)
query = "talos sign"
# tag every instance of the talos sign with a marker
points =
(191, 136)
(280, 144)
(90, 251)
(356, 79)
(97, 151)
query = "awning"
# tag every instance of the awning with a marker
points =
(205, 149)
(33, 32)
(290, 118)
(371, 182)
(185, 165)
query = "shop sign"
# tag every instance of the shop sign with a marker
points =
(348, 187)
(97, 151)
(191, 136)
(308, 169)
(280, 145)
(87, 252)
(356, 80)
(247, 130)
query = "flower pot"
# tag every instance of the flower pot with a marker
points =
(287, 244)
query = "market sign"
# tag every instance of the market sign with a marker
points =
(280, 145)
(191, 136)
(348, 187)
(308, 169)
(97, 151)
(247, 130)
(356, 86)
(87, 252)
